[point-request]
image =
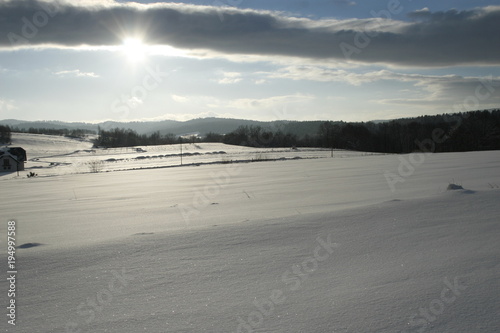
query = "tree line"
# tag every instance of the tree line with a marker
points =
(475, 130)
(72, 133)
(121, 137)
(5, 134)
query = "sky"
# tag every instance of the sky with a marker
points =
(98, 60)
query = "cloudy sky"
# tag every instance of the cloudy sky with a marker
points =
(95, 60)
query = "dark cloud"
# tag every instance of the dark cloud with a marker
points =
(450, 15)
(344, 2)
(434, 39)
(420, 14)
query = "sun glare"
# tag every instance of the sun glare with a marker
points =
(134, 49)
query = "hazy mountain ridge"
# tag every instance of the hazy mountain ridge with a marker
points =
(472, 130)
(200, 125)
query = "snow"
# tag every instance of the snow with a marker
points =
(56, 155)
(317, 244)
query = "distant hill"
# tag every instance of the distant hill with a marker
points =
(467, 131)
(52, 124)
(200, 126)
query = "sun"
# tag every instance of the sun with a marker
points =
(134, 49)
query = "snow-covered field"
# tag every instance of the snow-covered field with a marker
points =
(315, 244)
(56, 155)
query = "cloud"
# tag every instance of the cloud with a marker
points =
(433, 39)
(7, 105)
(179, 99)
(181, 116)
(279, 107)
(319, 74)
(230, 78)
(322, 74)
(344, 2)
(423, 13)
(267, 103)
(457, 93)
(427, 89)
(76, 73)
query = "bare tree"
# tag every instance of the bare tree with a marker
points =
(95, 166)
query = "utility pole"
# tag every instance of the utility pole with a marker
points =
(180, 140)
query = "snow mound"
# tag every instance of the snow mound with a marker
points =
(29, 245)
(454, 187)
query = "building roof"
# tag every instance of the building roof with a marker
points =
(17, 153)
(4, 154)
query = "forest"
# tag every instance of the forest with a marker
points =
(467, 131)
(475, 130)
(120, 137)
(72, 133)
(5, 134)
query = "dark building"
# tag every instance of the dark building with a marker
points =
(12, 159)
